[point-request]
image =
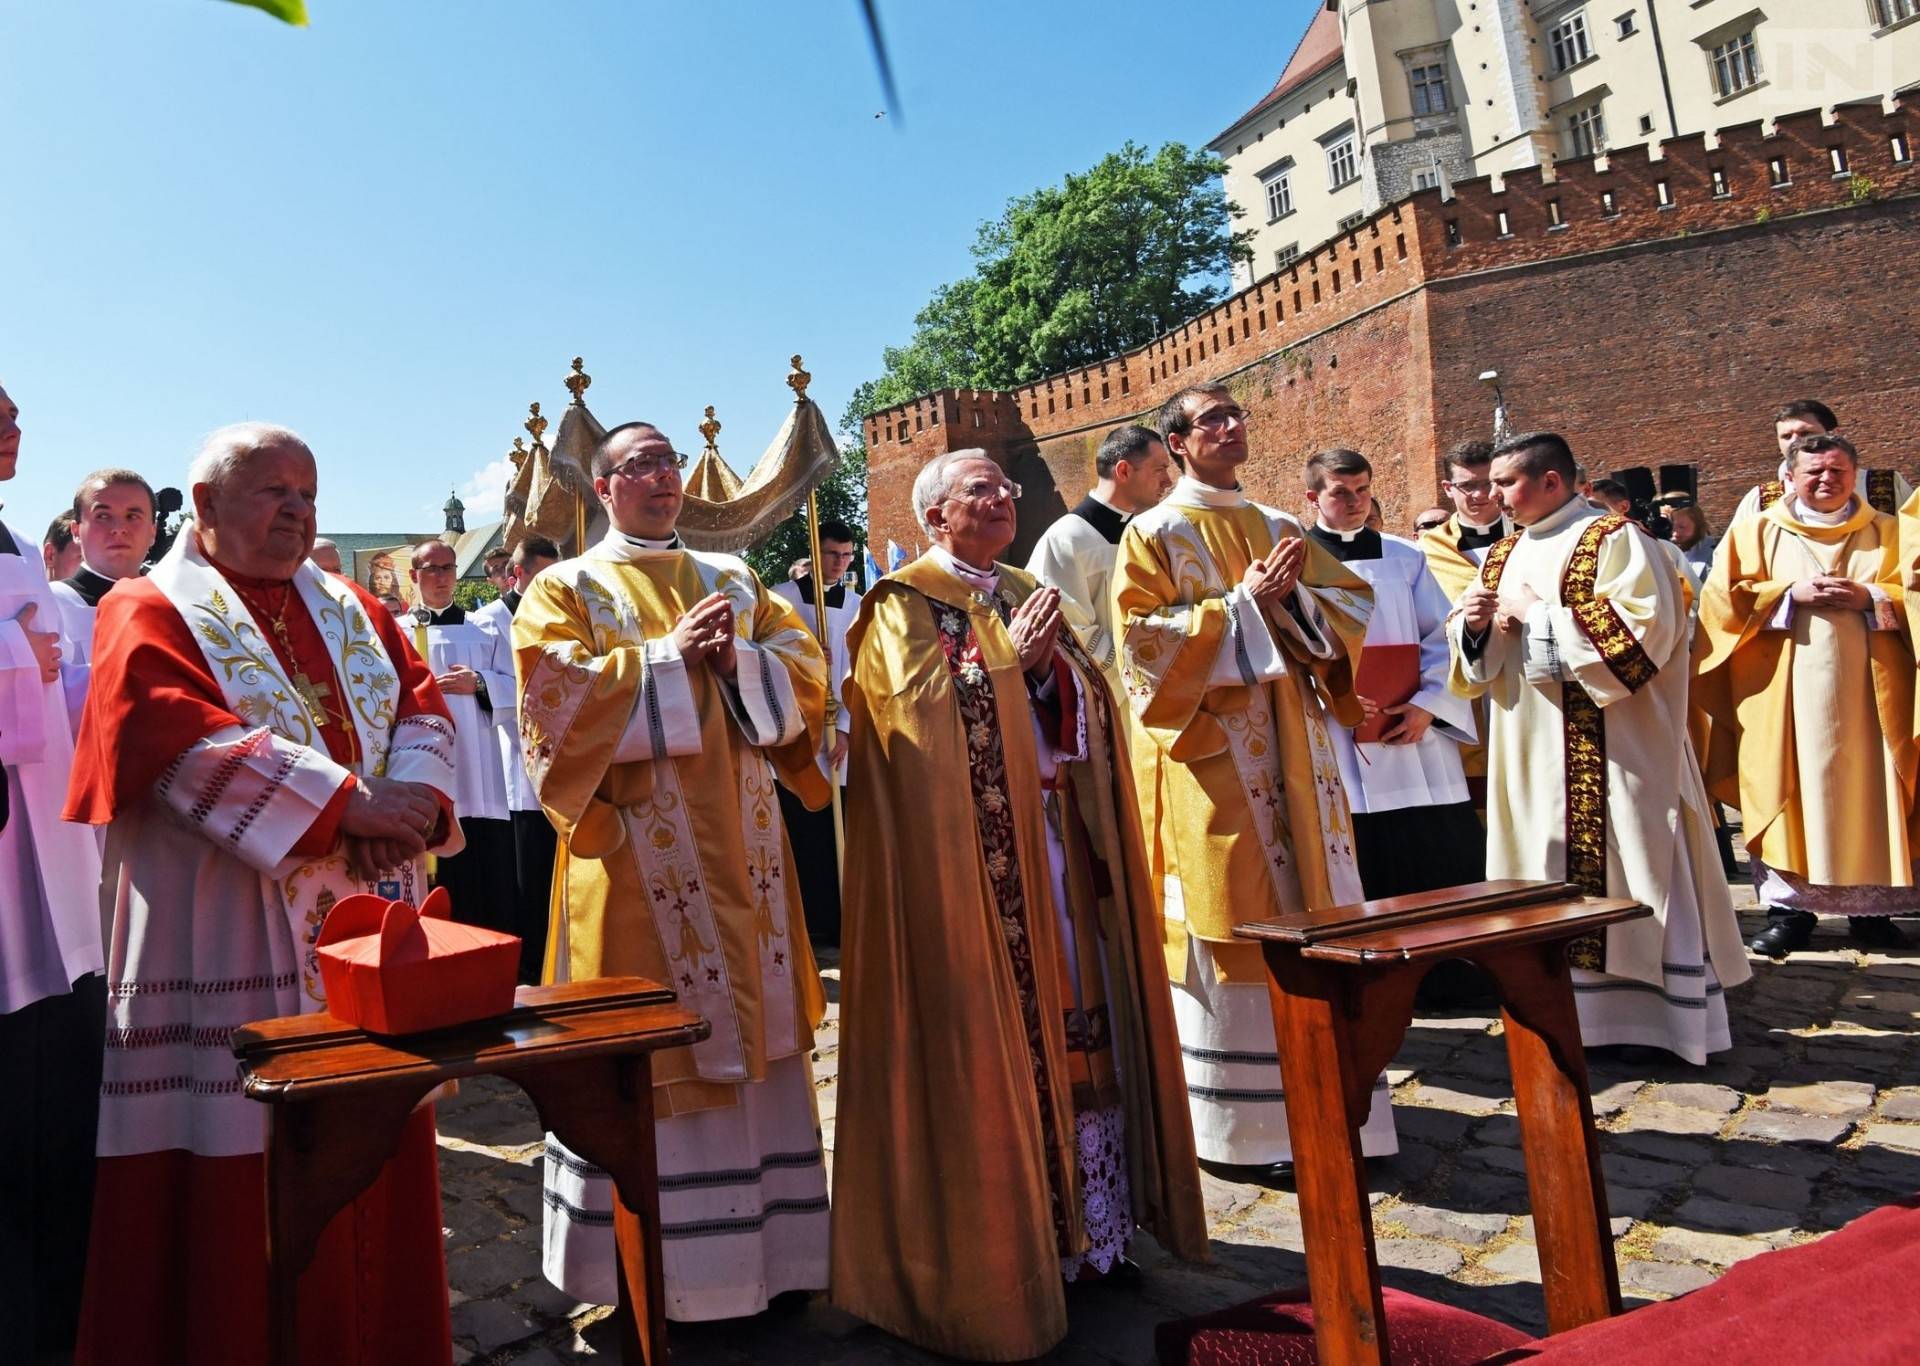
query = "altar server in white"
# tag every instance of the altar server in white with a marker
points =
(480, 877)
(1414, 827)
(1131, 473)
(1576, 633)
(52, 994)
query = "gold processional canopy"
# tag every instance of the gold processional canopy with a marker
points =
(551, 492)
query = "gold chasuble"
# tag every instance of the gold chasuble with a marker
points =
(672, 861)
(983, 1023)
(1813, 731)
(1240, 791)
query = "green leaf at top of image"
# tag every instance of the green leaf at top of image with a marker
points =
(292, 11)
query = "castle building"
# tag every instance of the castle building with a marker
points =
(1657, 299)
(1383, 98)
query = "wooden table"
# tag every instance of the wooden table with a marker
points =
(338, 1099)
(1342, 983)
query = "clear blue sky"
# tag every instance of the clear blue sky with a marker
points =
(393, 229)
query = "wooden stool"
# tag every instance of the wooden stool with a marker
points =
(1342, 983)
(338, 1099)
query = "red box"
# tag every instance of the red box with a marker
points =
(392, 969)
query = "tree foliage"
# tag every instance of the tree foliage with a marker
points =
(1073, 273)
(842, 496)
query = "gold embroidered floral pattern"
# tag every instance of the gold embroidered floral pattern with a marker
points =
(987, 771)
(242, 654)
(1584, 729)
(1771, 492)
(1880, 492)
(1619, 649)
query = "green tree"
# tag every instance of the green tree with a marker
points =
(1073, 273)
(842, 496)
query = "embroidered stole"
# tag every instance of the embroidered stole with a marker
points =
(667, 856)
(257, 690)
(1585, 726)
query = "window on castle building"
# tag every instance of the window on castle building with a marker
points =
(1736, 64)
(1893, 11)
(1569, 42)
(1286, 256)
(1625, 25)
(1352, 221)
(1426, 179)
(1587, 131)
(1279, 188)
(1343, 163)
(1646, 123)
(1430, 89)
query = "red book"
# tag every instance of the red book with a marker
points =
(1388, 675)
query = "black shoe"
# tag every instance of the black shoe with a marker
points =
(1785, 932)
(1876, 931)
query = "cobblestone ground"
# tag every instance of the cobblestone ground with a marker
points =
(1803, 1125)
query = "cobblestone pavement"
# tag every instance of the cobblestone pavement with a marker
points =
(1803, 1125)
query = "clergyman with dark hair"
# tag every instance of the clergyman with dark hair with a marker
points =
(1233, 626)
(663, 693)
(533, 837)
(1414, 827)
(1131, 473)
(811, 832)
(1576, 633)
(1884, 490)
(114, 526)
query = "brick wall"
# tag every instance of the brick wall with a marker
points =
(1652, 310)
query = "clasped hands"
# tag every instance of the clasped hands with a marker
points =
(1824, 590)
(1034, 626)
(44, 644)
(1507, 612)
(458, 680)
(706, 632)
(386, 824)
(1268, 581)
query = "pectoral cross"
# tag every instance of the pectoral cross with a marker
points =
(314, 694)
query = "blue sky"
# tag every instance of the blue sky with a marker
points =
(393, 229)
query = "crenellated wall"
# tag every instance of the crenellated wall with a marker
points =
(1677, 285)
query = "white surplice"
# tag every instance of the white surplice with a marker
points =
(49, 869)
(1409, 608)
(1073, 556)
(496, 618)
(481, 780)
(1665, 974)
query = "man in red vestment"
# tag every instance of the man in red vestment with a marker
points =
(259, 741)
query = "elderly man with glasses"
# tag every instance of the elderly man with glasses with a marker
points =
(458, 649)
(1010, 1102)
(663, 693)
(1238, 635)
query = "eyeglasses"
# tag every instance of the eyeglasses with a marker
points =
(1221, 416)
(1473, 488)
(1430, 524)
(446, 568)
(984, 491)
(646, 466)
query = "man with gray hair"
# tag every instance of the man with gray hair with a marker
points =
(326, 554)
(1008, 971)
(261, 743)
(1076, 554)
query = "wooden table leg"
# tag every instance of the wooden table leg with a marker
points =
(1311, 1017)
(1569, 1193)
(320, 1155)
(603, 1110)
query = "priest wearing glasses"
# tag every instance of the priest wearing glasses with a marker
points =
(664, 693)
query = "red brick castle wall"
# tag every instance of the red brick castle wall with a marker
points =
(1654, 311)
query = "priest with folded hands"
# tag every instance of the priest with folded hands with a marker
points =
(1007, 1031)
(260, 743)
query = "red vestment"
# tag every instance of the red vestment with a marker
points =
(177, 1265)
